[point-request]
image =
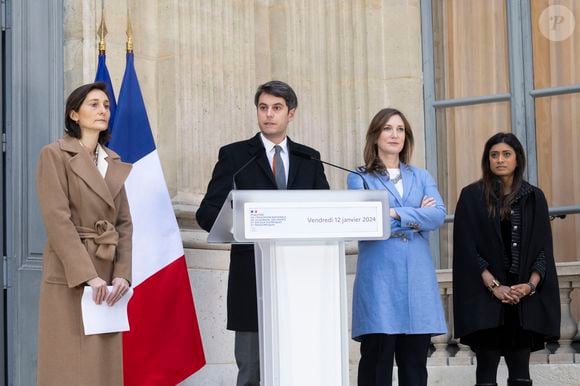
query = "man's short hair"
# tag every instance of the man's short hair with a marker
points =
(278, 89)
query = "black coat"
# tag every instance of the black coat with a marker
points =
(475, 233)
(302, 174)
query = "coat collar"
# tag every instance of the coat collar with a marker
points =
(117, 172)
(295, 162)
(257, 147)
(386, 182)
(82, 165)
(524, 191)
(408, 180)
(408, 183)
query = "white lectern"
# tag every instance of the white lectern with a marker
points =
(300, 274)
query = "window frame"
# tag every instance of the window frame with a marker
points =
(521, 96)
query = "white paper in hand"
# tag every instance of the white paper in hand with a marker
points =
(102, 318)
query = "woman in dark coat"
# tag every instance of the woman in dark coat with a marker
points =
(506, 299)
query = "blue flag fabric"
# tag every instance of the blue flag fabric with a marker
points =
(132, 137)
(103, 76)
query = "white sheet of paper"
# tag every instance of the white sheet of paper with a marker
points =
(102, 318)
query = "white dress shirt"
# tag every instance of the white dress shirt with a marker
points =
(269, 146)
(102, 163)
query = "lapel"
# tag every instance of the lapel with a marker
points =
(82, 165)
(408, 180)
(497, 227)
(495, 220)
(255, 146)
(117, 172)
(382, 182)
(294, 163)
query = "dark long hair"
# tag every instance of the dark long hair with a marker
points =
(371, 152)
(74, 102)
(492, 185)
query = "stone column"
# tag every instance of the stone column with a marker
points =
(568, 277)
(568, 327)
(440, 355)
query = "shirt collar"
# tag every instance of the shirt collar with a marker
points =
(269, 145)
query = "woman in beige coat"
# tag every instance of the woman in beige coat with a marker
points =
(82, 197)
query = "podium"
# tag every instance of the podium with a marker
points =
(300, 274)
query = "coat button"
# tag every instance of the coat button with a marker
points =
(515, 244)
(515, 227)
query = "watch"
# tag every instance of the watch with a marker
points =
(494, 284)
(532, 288)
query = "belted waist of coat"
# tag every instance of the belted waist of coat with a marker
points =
(405, 235)
(104, 236)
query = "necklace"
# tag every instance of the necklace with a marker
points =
(396, 179)
(96, 153)
(97, 156)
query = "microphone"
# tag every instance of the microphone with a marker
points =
(252, 159)
(307, 156)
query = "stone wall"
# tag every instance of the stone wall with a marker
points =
(199, 63)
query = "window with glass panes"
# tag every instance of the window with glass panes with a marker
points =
(504, 65)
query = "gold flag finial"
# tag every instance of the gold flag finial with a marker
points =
(102, 31)
(129, 33)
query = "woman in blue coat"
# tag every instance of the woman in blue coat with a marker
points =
(396, 302)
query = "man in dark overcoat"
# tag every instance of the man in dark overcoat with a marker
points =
(275, 162)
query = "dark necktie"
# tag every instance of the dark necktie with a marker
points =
(279, 172)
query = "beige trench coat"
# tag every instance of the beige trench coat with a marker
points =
(72, 194)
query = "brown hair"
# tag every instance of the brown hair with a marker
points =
(371, 154)
(74, 102)
(278, 89)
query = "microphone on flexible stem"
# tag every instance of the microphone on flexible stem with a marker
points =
(252, 159)
(302, 154)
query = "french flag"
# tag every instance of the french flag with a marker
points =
(164, 345)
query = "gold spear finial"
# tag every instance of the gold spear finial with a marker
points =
(129, 32)
(102, 31)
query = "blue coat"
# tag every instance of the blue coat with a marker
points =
(395, 288)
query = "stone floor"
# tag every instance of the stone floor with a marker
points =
(460, 375)
(542, 375)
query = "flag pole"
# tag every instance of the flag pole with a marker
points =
(102, 31)
(129, 32)
(164, 345)
(102, 74)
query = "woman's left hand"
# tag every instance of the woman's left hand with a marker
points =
(520, 290)
(120, 288)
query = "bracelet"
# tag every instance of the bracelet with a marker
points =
(493, 285)
(532, 288)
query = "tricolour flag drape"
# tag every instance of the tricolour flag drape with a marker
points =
(103, 76)
(164, 345)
